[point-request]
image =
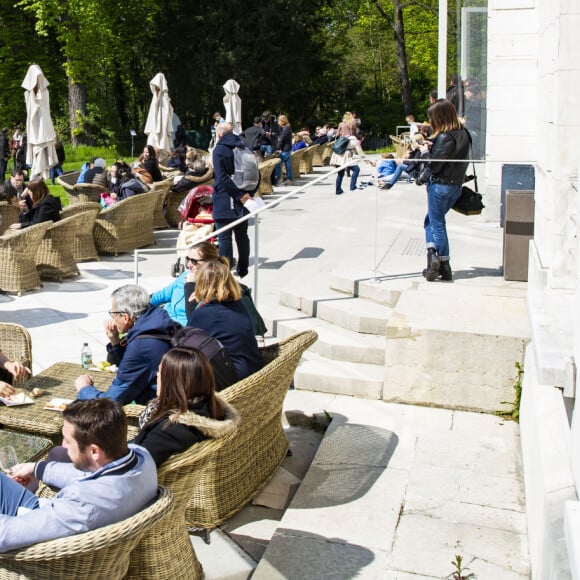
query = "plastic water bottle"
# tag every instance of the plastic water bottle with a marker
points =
(86, 356)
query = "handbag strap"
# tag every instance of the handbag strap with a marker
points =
(472, 160)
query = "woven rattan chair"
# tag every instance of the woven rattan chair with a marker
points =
(169, 172)
(400, 146)
(239, 470)
(266, 169)
(84, 243)
(295, 160)
(167, 547)
(101, 553)
(317, 157)
(17, 258)
(161, 189)
(55, 254)
(174, 198)
(15, 343)
(306, 163)
(326, 153)
(68, 181)
(126, 225)
(8, 215)
(84, 192)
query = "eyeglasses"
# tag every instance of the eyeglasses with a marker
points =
(113, 313)
(194, 261)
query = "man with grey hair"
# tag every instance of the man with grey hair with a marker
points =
(137, 360)
(228, 199)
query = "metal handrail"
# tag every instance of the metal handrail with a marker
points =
(269, 205)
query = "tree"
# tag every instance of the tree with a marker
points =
(88, 34)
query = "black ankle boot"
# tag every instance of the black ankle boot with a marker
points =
(432, 270)
(445, 271)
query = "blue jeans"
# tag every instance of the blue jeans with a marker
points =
(266, 150)
(242, 243)
(55, 172)
(394, 177)
(285, 158)
(13, 495)
(354, 171)
(440, 199)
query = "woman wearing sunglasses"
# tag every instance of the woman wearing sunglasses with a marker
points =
(172, 297)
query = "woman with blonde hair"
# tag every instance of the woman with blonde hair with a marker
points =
(446, 152)
(285, 147)
(219, 311)
(347, 128)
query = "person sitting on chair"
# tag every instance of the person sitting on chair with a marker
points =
(107, 481)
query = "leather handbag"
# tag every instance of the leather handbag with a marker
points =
(470, 201)
(341, 145)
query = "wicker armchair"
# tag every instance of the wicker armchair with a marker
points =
(100, 553)
(8, 215)
(68, 181)
(84, 192)
(15, 343)
(17, 258)
(161, 189)
(167, 546)
(126, 225)
(84, 243)
(306, 163)
(317, 156)
(55, 256)
(169, 172)
(326, 153)
(266, 169)
(295, 160)
(238, 471)
(174, 198)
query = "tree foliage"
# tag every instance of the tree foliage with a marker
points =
(310, 59)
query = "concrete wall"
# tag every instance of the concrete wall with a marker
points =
(534, 115)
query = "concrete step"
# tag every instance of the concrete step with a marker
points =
(317, 373)
(337, 343)
(385, 290)
(454, 346)
(332, 528)
(356, 314)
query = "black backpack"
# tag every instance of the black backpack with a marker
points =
(224, 371)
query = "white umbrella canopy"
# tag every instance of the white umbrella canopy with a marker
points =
(233, 105)
(159, 125)
(40, 153)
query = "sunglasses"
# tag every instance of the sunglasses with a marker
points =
(193, 261)
(113, 313)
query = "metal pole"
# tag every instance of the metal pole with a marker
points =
(256, 258)
(442, 51)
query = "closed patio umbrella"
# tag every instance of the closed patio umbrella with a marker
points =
(41, 152)
(159, 125)
(233, 105)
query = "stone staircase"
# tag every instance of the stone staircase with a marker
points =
(405, 340)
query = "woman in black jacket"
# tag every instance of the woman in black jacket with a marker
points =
(151, 163)
(447, 154)
(285, 147)
(186, 410)
(37, 205)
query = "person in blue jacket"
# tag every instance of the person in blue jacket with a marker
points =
(137, 360)
(222, 314)
(172, 297)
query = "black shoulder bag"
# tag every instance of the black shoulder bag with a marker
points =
(470, 201)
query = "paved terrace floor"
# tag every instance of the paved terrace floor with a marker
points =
(452, 482)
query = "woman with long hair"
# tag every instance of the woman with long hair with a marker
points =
(37, 205)
(220, 311)
(285, 147)
(150, 162)
(186, 410)
(347, 128)
(446, 154)
(172, 297)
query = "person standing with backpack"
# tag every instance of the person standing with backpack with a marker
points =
(229, 199)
